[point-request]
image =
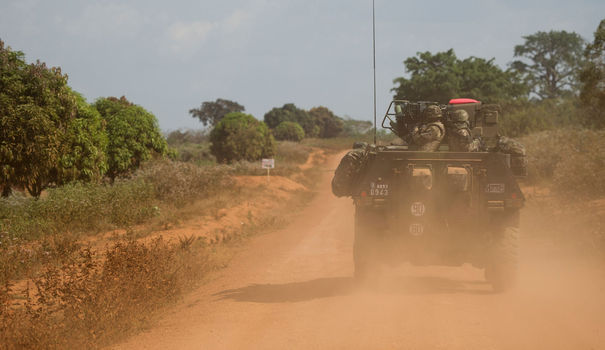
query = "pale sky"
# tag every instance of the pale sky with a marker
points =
(169, 57)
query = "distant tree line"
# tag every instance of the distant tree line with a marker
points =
(557, 79)
(50, 135)
(230, 127)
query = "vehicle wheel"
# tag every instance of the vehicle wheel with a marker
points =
(364, 246)
(502, 269)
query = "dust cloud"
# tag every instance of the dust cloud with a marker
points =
(294, 288)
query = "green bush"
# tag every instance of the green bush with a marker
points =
(289, 131)
(329, 124)
(197, 153)
(240, 136)
(525, 117)
(77, 208)
(290, 113)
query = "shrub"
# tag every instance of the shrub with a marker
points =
(178, 137)
(180, 183)
(289, 131)
(77, 208)
(240, 136)
(329, 124)
(198, 153)
(289, 152)
(290, 113)
(89, 302)
(572, 159)
(525, 117)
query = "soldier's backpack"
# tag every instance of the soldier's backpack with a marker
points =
(518, 160)
(347, 171)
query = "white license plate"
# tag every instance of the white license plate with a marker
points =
(380, 190)
(495, 188)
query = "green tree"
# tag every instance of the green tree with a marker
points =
(240, 136)
(36, 109)
(592, 78)
(329, 124)
(134, 135)
(290, 113)
(550, 62)
(210, 113)
(442, 76)
(289, 131)
(353, 127)
(84, 158)
(432, 77)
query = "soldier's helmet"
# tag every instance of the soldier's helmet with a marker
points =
(460, 116)
(432, 112)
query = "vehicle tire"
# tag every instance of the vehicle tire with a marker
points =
(502, 268)
(364, 246)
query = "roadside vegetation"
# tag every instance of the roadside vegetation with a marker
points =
(58, 289)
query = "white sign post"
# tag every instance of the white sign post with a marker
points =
(268, 164)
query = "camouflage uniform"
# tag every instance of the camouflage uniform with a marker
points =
(460, 138)
(427, 137)
(518, 160)
(347, 171)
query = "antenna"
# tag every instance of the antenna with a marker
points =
(374, 52)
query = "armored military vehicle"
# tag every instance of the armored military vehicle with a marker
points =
(437, 208)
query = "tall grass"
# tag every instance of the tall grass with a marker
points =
(571, 160)
(81, 299)
(76, 208)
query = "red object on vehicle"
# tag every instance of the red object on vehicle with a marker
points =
(457, 101)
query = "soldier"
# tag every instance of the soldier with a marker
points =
(427, 137)
(460, 138)
(348, 169)
(518, 160)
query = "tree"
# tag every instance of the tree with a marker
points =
(551, 62)
(289, 131)
(329, 124)
(592, 78)
(134, 135)
(442, 76)
(240, 136)
(212, 112)
(84, 158)
(36, 109)
(353, 127)
(432, 77)
(290, 113)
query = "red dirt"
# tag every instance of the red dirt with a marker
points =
(293, 289)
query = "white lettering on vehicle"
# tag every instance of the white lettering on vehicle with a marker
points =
(381, 190)
(495, 188)
(418, 209)
(416, 229)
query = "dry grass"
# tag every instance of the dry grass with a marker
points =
(572, 161)
(89, 301)
(79, 297)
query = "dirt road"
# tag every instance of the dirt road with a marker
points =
(293, 289)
